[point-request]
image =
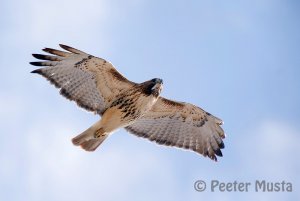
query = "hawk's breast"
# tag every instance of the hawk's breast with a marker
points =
(133, 105)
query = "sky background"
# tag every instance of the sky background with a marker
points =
(239, 60)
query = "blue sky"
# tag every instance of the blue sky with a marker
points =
(239, 60)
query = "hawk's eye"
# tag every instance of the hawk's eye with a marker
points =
(152, 87)
(157, 80)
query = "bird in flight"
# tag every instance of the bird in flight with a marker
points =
(95, 85)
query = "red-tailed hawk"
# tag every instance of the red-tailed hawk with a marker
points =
(95, 85)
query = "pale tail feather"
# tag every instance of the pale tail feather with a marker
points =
(93, 144)
(87, 139)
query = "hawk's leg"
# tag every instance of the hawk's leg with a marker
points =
(99, 133)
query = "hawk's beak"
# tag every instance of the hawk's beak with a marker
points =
(160, 81)
(159, 85)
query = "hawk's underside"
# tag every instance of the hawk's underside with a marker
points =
(95, 85)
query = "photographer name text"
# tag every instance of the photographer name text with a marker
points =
(236, 186)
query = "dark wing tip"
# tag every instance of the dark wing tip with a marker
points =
(64, 46)
(42, 63)
(48, 50)
(38, 71)
(70, 49)
(213, 157)
(41, 56)
(218, 152)
(221, 145)
(36, 63)
(56, 52)
(38, 56)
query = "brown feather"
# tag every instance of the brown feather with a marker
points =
(91, 82)
(181, 125)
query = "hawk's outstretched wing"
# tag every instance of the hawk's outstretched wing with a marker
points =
(89, 81)
(181, 125)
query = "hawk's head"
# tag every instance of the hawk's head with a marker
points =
(153, 87)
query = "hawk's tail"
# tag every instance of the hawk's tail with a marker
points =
(90, 139)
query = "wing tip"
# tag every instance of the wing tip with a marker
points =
(71, 49)
(64, 46)
(218, 152)
(221, 145)
(39, 56)
(38, 63)
(35, 55)
(48, 50)
(219, 121)
(38, 71)
(35, 63)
